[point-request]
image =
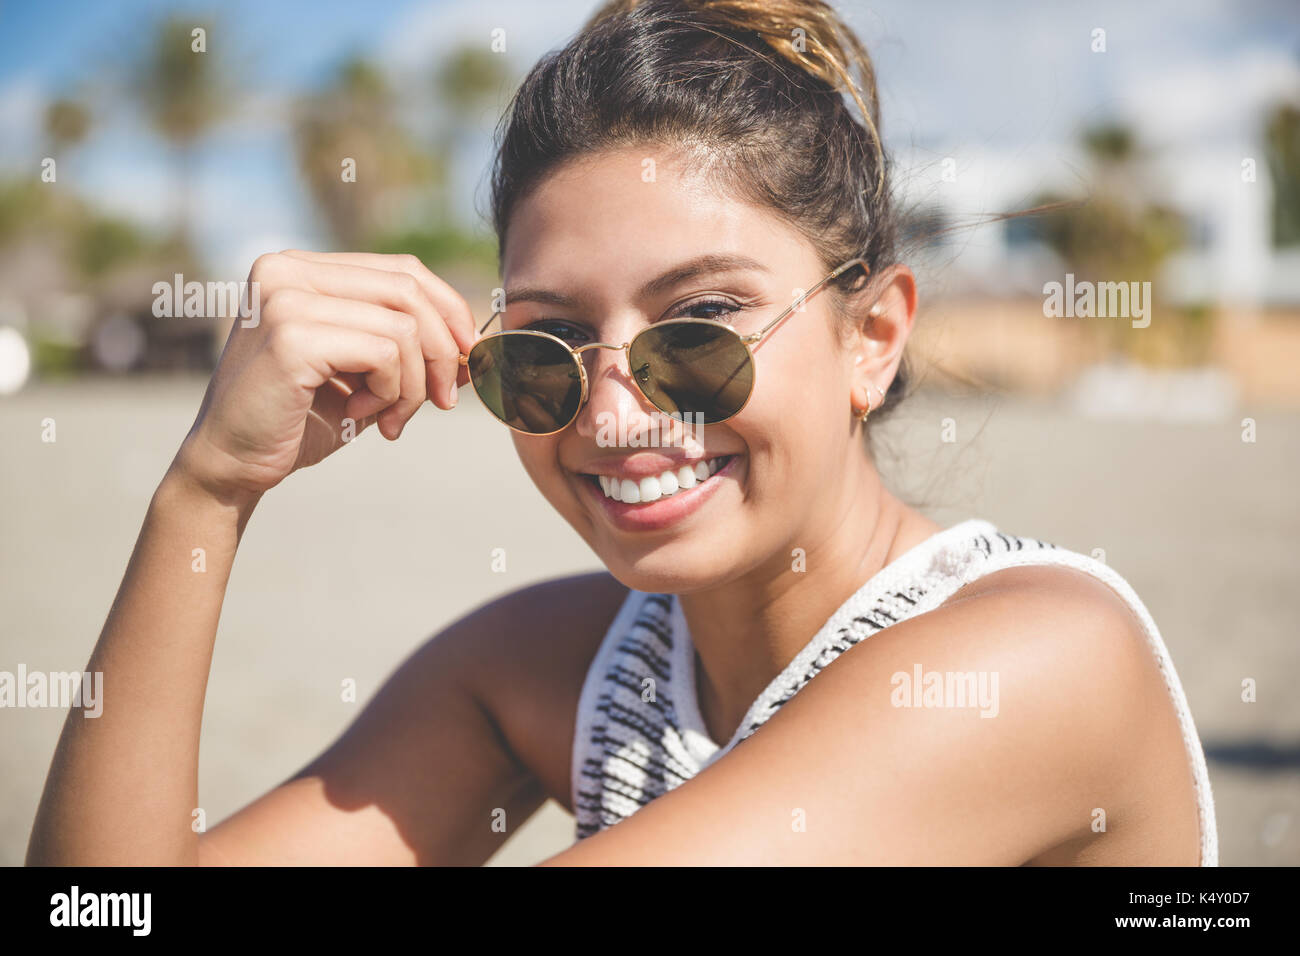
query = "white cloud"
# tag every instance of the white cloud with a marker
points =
(531, 28)
(22, 103)
(1214, 101)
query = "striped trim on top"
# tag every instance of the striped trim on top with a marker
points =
(639, 728)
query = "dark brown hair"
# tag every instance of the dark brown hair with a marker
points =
(778, 96)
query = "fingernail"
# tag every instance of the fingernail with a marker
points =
(451, 397)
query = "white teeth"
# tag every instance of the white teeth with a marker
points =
(654, 487)
(650, 489)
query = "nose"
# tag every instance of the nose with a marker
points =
(615, 406)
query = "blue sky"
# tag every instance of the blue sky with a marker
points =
(1001, 87)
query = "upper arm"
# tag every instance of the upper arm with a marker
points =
(420, 776)
(845, 773)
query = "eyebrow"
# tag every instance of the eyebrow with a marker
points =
(708, 264)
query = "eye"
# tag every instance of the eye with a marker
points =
(565, 331)
(717, 309)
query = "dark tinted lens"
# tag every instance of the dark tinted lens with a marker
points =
(693, 368)
(529, 381)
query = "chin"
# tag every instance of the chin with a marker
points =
(676, 567)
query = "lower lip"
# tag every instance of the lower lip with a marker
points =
(665, 512)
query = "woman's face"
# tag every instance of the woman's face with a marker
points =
(610, 248)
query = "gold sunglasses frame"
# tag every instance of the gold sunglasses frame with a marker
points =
(748, 341)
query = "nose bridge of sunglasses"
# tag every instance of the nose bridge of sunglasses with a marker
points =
(599, 345)
(641, 376)
(588, 354)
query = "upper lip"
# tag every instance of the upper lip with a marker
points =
(642, 464)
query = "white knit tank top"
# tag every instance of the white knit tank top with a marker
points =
(627, 751)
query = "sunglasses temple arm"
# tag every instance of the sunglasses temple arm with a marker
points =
(839, 271)
(464, 359)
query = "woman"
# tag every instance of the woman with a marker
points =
(697, 222)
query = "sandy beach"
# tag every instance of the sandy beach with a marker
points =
(346, 568)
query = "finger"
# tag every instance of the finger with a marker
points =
(321, 353)
(402, 292)
(400, 327)
(332, 402)
(451, 305)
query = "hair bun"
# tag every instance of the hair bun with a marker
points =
(806, 34)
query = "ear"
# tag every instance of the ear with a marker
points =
(883, 312)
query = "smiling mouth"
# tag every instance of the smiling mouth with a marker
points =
(664, 485)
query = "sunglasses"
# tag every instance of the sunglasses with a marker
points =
(698, 370)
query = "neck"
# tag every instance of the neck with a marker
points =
(748, 630)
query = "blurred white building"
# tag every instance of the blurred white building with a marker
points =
(1229, 259)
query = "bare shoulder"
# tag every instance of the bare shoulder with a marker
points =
(1038, 601)
(1085, 726)
(1078, 655)
(526, 655)
(1061, 628)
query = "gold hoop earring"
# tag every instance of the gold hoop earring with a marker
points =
(862, 415)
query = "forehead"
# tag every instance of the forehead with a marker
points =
(619, 215)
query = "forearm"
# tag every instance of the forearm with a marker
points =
(123, 785)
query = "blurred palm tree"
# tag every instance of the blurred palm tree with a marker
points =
(471, 80)
(354, 119)
(1110, 143)
(67, 121)
(184, 93)
(1121, 234)
(469, 85)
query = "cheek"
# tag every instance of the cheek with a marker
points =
(803, 361)
(798, 409)
(540, 459)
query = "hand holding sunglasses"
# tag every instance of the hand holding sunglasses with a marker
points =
(700, 370)
(342, 341)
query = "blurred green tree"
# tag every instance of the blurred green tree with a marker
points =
(184, 92)
(91, 241)
(67, 121)
(1121, 234)
(469, 84)
(471, 80)
(1282, 149)
(353, 119)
